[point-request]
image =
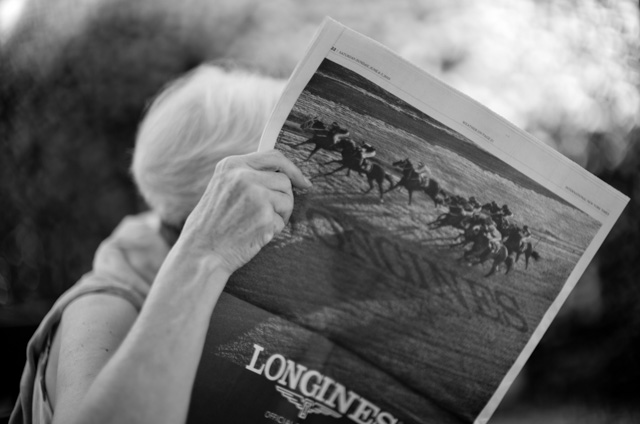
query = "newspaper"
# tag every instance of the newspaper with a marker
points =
(418, 273)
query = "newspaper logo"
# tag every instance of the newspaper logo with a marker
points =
(305, 405)
(314, 393)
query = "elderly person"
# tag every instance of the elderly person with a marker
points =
(124, 343)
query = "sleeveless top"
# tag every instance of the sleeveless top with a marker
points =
(125, 265)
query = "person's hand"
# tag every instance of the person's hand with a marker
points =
(247, 202)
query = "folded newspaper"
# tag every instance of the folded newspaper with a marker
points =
(418, 273)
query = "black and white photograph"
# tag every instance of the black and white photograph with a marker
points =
(443, 257)
(302, 212)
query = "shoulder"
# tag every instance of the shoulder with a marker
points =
(90, 330)
(133, 253)
(100, 308)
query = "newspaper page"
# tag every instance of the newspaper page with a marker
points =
(418, 273)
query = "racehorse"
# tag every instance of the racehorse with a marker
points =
(356, 158)
(413, 180)
(516, 243)
(325, 139)
(482, 252)
(377, 173)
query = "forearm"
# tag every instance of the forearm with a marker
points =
(149, 378)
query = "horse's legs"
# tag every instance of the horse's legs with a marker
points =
(480, 253)
(380, 189)
(334, 171)
(332, 161)
(388, 178)
(310, 140)
(493, 268)
(393, 187)
(502, 255)
(528, 252)
(370, 181)
(313, 152)
(433, 198)
(438, 222)
(509, 262)
(485, 256)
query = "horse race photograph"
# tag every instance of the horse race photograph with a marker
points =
(377, 159)
(442, 256)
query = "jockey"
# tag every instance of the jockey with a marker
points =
(469, 205)
(423, 173)
(419, 174)
(505, 211)
(367, 150)
(363, 152)
(443, 197)
(490, 231)
(525, 233)
(474, 203)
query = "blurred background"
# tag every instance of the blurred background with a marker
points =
(75, 76)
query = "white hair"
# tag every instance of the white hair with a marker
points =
(197, 121)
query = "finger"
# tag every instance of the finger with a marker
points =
(276, 181)
(276, 161)
(282, 204)
(277, 226)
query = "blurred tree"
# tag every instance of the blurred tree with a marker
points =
(68, 127)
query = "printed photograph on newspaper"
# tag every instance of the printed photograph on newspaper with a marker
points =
(472, 251)
(410, 278)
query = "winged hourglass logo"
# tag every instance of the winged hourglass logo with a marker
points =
(307, 406)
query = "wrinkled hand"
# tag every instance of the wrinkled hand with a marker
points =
(247, 202)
